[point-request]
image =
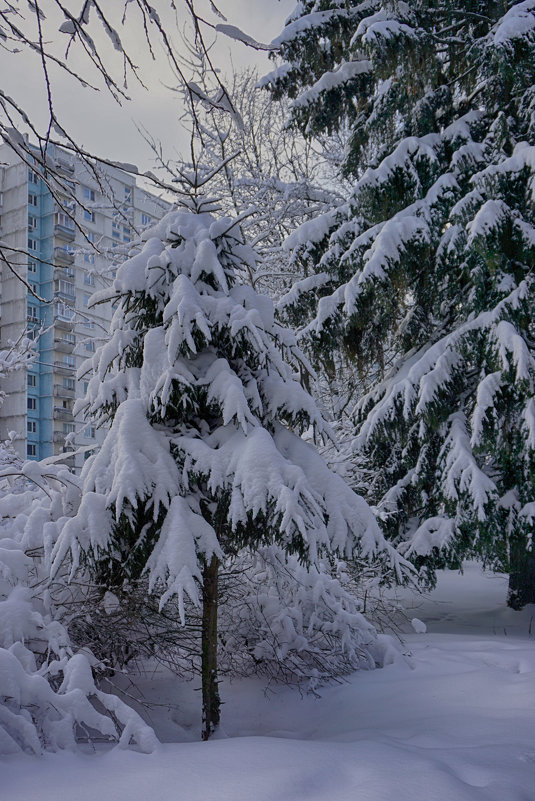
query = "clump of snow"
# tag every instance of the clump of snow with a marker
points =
(516, 23)
(418, 625)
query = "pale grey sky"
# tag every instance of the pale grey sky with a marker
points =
(108, 130)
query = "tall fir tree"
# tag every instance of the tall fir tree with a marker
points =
(425, 278)
(203, 457)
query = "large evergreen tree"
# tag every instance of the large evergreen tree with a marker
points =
(426, 276)
(203, 457)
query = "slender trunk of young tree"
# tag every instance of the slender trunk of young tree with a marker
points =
(211, 702)
(521, 576)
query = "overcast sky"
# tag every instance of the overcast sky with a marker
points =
(109, 130)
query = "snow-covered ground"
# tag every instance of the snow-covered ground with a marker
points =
(452, 719)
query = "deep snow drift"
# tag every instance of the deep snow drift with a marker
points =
(452, 719)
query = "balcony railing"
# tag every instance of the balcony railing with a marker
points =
(64, 255)
(66, 325)
(64, 274)
(64, 369)
(60, 413)
(64, 232)
(64, 346)
(62, 392)
(64, 292)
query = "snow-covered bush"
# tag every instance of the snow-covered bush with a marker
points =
(48, 695)
(277, 619)
(291, 623)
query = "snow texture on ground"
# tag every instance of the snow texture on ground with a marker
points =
(452, 719)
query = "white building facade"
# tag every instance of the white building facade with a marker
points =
(63, 237)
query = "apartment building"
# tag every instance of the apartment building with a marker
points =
(65, 239)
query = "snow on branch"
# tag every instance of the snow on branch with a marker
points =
(434, 532)
(461, 473)
(346, 72)
(518, 22)
(300, 26)
(487, 390)
(425, 372)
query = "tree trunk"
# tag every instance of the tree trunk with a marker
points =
(521, 576)
(210, 686)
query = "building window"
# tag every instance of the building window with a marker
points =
(89, 215)
(146, 219)
(89, 432)
(89, 258)
(89, 279)
(31, 449)
(32, 380)
(31, 404)
(68, 428)
(64, 311)
(32, 244)
(63, 219)
(91, 235)
(31, 426)
(128, 194)
(89, 194)
(32, 314)
(33, 178)
(90, 346)
(87, 298)
(32, 199)
(66, 288)
(32, 222)
(86, 384)
(68, 383)
(68, 360)
(32, 266)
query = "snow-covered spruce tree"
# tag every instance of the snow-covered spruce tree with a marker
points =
(426, 276)
(203, 456)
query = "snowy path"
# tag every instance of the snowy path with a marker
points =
(453, 722)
